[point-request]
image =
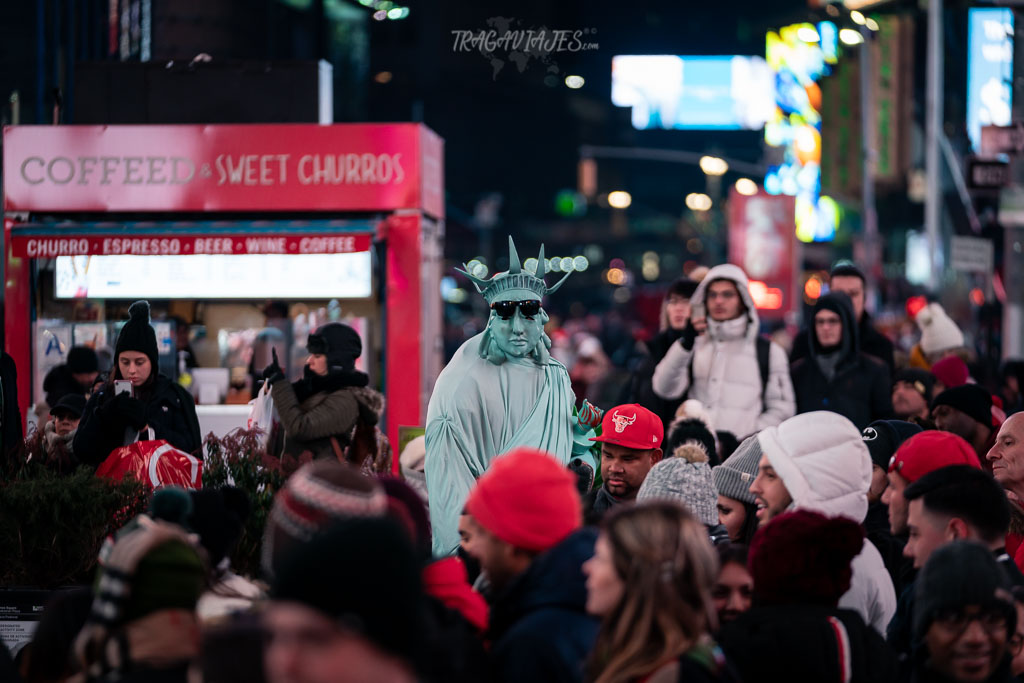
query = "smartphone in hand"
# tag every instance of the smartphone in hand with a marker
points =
(122, 386)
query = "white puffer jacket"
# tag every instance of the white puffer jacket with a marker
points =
(726, 376)
(822, 460)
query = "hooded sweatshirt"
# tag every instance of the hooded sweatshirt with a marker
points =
(724, 369)
(841, 379)
(822, 460)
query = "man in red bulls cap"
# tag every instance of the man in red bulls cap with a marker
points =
(630, 441)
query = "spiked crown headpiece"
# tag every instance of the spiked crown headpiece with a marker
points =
(517, 283)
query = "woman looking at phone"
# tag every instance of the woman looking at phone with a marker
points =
(136, 398)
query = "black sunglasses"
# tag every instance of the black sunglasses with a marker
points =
(507, 309)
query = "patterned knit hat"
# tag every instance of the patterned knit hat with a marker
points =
(734, 476)
(686, 479)
(315, 496)
(150, 565)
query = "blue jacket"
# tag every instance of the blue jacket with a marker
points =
(540, 629)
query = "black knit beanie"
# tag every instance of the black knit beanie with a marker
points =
(138, 335)
(969, 399)
(82, 359)
(340, 343)
(957, 575)
(691, 430)
(922, 381)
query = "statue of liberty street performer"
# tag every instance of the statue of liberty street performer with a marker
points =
(502, 389)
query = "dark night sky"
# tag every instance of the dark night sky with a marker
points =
(515, 135)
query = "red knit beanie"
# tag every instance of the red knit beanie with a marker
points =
(803, 558)
(951, 371)
(527, 499)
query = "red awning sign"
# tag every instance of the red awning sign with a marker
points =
(29, 246)
(261, 167)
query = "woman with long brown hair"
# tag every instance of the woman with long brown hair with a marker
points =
(650, 581)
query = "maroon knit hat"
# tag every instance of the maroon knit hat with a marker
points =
(803, 558)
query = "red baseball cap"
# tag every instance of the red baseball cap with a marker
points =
(930, 450)
(632, 426)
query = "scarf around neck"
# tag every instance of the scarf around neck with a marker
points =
(312, 383)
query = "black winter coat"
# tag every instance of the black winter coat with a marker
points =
(540, 630)
(10, 414)
(168, 409)
(800, 644)
(872, 342)
(860, 390)
(878, 531)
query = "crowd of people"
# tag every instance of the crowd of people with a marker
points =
(754, 514)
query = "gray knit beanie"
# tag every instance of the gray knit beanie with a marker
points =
(684, 479)
(734, 476)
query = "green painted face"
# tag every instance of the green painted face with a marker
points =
(518, 335)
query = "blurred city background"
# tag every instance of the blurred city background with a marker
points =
(655, 138)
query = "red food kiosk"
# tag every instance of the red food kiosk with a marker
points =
(230, 192)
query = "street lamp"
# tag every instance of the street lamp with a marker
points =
(619, 199)
(746, 187)
(850, 37)
(713, 165)
(698, 201)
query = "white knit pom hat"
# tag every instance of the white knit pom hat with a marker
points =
(938, 331)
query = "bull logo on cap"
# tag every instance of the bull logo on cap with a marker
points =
(621, 421)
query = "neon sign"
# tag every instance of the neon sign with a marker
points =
(801, 55)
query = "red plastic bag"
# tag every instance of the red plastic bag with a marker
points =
(156, 463)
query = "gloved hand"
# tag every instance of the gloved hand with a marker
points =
(584, 475)
(129, 410)
(688, 335)
(273, 372)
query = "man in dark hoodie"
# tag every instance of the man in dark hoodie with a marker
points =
(525, 515)
(836, 376)
(848, 279)
(795, 631)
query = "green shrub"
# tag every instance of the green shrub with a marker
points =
(52, 524)
(54, 517)
(238, 459)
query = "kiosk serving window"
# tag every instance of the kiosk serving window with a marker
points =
(206, 276)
